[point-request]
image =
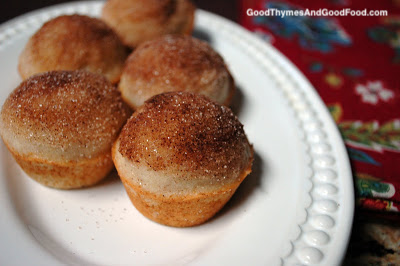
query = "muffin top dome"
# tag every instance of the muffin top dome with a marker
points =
(63, 115)
(188, 139)
(72, 42)
(175, 63)
(137, 21)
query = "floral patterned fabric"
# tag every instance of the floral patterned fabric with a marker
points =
(354, 64)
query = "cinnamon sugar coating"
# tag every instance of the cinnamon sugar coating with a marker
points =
(72, 42)
(63, 115)
(181, 157)
(175, 63)
(186, 132)
(136, 21)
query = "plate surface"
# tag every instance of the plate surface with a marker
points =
(295, 208)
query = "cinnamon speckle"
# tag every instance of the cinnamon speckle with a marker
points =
(186, 131)
(70, 42)
(175, 63)
(69, 113)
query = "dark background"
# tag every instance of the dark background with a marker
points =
(13, 8)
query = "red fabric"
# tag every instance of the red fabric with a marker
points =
(354, 64)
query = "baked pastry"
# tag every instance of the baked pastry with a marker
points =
(181, 157)
(60, 126)
(175, 63)
(136, 21)
(72, 42)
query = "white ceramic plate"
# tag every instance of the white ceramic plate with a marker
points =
(295, 208)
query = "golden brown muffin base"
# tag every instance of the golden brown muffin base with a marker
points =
(181, 211)
(66, 175)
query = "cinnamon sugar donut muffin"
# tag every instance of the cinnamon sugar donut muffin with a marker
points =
(136, 21)
(181, 157)
(175, 63)
(60, 126)
(72, 42)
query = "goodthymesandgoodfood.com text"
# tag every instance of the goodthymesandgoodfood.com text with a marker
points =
(318, 12)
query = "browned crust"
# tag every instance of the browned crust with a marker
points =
(198, 146)
(170, 55)
(177, 212)
(66, 175)
(231, 92)
(136, 21)
(60, 127)
(186, 26)
(138, 11)
(72, 111)
(186, 131)
(181, 211)
(71, 42)
(175, 63)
